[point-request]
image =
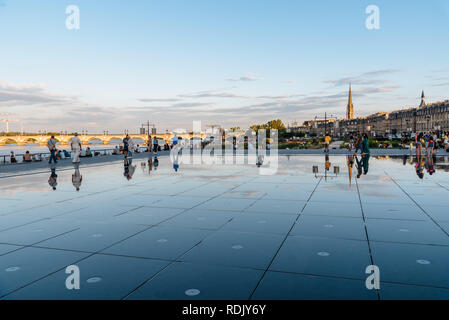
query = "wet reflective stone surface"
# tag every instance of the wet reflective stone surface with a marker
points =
(226, 231)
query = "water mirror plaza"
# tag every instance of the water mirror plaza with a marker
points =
(140, 230)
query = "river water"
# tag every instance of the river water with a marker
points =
(36, 148)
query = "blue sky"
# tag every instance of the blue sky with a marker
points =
(227, 62)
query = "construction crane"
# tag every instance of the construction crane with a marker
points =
(7, 121)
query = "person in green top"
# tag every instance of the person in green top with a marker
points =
(365, 144)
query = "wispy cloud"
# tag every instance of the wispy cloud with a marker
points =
(159, 99)
(439, 81)
(28, 94)
(212, 94)
(245, 78)
(367, 78)
(444, 84)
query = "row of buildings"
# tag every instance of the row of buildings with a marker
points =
(426, 117)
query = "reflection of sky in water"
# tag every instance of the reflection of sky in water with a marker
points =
(291, 168)
(227, 224)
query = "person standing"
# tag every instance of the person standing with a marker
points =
(131, 147)
(76, 148)
(155, 145)
(51, 144)
(430, 147)
(365, 144)
(446, 142)
(126, 146)
(175, 141)
(149, 143)
(327, 141)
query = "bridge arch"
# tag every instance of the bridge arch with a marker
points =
(44, 140)
(139, 140)
(90, 139)
(108, 140)
(9, 140)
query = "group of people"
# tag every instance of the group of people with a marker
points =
(430, 142)
(359, 141)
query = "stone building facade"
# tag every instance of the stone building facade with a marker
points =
(426, 117)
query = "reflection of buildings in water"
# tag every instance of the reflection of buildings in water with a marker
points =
(441, 163)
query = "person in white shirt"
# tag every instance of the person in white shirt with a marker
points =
(131, 147)
(76, 148)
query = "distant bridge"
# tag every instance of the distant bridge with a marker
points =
(87, 138)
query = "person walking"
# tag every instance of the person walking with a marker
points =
(76, 148)
(51, 144)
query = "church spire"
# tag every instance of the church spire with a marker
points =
(423, 100)
(350, 106)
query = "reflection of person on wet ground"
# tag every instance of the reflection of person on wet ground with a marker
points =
(77, 178)
(259, 162)
(431, 164)
(156, 163)
(175, 159)
(350, 161)
(150, 165)
(350, 164)
(52, 180)
(327, 163)
(128, 169)
(362, 165)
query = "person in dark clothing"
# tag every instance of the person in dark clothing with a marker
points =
(126, 146)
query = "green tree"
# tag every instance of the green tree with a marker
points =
(276, 124)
